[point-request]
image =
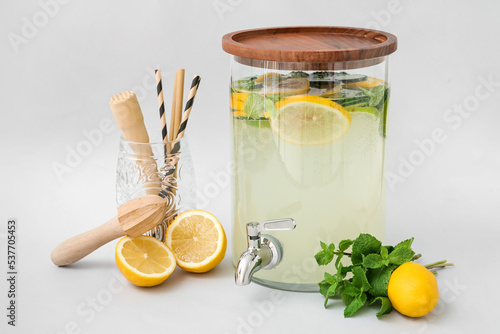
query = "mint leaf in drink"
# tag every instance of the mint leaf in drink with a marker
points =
(376, 94)
(386, 306)
(247, 83)
(363, 245)
(298, 74)
(256, 105)
(355, 305)
(326, 255)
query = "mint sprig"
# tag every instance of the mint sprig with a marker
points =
(367, 278)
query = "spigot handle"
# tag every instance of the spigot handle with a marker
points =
(286, 224)
(254, 228)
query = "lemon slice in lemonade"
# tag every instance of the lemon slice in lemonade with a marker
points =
(310, 120)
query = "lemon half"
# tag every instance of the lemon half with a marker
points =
(198, 241)
(144, 261)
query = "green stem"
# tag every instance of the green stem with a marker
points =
(434, 264)
(417, 256)
(344, 253)
(440, 265)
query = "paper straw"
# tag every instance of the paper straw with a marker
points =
(189, 105)
(175, 116)
(161, 106)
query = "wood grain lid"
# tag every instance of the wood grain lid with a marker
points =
(309, 44)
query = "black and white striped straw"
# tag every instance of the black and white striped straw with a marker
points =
(161, 104)
(189, 105)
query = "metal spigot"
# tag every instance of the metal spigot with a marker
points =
(264, 251)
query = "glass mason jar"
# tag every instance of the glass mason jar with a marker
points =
(309, 122)
(157, 168)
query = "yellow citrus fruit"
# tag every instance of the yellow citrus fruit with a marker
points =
(267, 77)
(198, 241)
(310, 120)
(238, 101)
(413, 290)
(332, 92)
(290, 86)
(364, 84)
(144, 261)
(239, 113)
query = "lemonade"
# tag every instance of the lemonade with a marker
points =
(308, 146)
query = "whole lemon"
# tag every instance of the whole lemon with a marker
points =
(413, 290)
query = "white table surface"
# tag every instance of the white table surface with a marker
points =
(57, 85)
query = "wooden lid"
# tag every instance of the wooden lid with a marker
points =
(310, 45)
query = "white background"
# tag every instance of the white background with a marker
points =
(55, 85)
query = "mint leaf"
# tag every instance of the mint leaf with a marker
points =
(329, 278)
(363, 245)
(348, 293)
(401, 255)
(256, 105)
(384, 252)
(350, 290)
(376, 94)
(344, 244)
(337, 261)
(323, 287)
(355, 305)
(345, 270)
(323, 245)
(373, 261)
(332, 291)
(359, 279)
(379, 278)
(405, 243)
(386, 306)
(389, 249)
(326, 255)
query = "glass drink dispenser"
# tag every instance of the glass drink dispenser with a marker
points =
(308, 110)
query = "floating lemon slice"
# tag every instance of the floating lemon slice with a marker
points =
(367, 84)
(268, 77)
(291, 86)
(310, 120)
(144, 261)
(198, 241)
(333, 92)
(237, 101)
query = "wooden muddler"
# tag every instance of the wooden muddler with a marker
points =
(128, 116)
(134, 218)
